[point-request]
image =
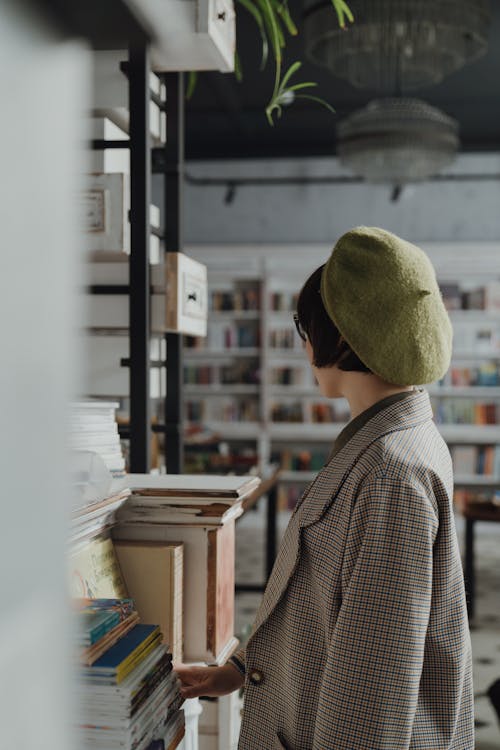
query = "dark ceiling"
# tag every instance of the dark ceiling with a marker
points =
(226, 119)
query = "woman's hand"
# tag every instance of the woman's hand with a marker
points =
(209, 681)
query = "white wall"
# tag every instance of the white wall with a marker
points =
(432, 211)
(43, 88)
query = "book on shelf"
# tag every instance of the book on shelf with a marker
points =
(118, 661)
(130, 714)
(92, 427)
(94, 571)
(476, 460)
(184, 499)
(208, 590)
(90, 655)
(153, 575)
(185, 487)
(238, 299)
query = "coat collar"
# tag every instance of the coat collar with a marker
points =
(321, 493)
(402, 415)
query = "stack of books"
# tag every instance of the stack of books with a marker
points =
(97, 469)
(128, 695)
(200, 499)
(93, 427)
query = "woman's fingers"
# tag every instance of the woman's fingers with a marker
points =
(196, 690)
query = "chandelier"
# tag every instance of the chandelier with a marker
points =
(397, 45)
(397, 141)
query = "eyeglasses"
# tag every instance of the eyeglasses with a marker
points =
(300, 330)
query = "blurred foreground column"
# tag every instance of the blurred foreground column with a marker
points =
(43, 91)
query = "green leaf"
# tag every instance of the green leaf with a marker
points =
(282, 10)
(191, 84)
(238, 72)
(250, 6)
(298, 86)
(343, 11)
(294, 67)
(316, 99)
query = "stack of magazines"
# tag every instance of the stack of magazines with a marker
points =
(128, 695)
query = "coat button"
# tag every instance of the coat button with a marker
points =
(256, 677)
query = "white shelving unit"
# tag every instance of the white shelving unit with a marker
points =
(281, 273)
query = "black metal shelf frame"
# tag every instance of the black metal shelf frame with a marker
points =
(139, 290)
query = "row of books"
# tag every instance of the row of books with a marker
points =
(240, 299)
(300, 460)
(210, 462)
(223, 335)
(288, 376)
(309, 412)
(465, 411)
(480, 460)
(283, 301)
(127, 693)
(485, 297)
(222, 409)
(284, 338)
(467, 499)
(486, 374)
(237, 373)
(483, 340)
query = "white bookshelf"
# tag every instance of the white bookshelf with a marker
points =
(282, 271)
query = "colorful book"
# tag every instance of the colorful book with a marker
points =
(125, 655)
(94, 625)
(93, 653)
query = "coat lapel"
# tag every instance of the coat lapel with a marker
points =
(322, 492)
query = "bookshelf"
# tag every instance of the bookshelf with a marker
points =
(296, 426)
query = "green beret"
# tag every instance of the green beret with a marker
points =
(381, 292)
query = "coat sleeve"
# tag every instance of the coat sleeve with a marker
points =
(238, 660)
(371, 679)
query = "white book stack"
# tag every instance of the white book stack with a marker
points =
(93, 427)
(97, 469)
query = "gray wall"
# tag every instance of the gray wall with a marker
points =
(449, 211)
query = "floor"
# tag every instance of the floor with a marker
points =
(485, 631)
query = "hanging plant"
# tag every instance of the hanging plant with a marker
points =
(274, 22)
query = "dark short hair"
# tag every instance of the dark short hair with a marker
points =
(329, 348)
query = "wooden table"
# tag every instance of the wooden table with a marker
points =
(268, 488)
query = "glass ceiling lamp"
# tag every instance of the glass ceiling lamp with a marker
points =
(397, 141)
(397, 45)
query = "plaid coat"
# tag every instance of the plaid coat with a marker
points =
(361, 641)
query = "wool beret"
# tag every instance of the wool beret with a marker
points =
(381, 292)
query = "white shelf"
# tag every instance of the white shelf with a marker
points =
(474, 316)
(233, 430)
(458, 391)
(297, 476)
(234, 314)
(196, 354)
(286, 391)
(474, 481)
(304, 431)
(220, 389)
(477, 356)
(287, 353)
(483, 434)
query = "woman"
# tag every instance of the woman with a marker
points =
(361, 641)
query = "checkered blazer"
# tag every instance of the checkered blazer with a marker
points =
(361, 641)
